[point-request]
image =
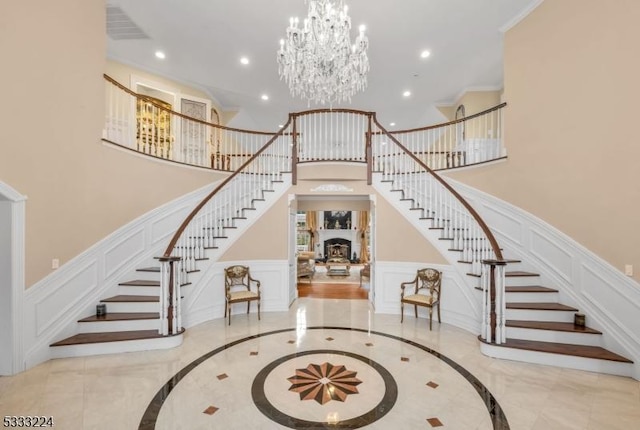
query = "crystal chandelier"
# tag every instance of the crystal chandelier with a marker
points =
(318, 61)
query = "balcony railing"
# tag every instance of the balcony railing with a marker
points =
(149, 126)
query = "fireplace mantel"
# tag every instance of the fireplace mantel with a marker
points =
(350, 235)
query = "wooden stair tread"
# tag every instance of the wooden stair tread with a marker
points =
(519, 273)
(540, 306)
(122, 316)
(141, 283)
(115, 336)
(149, 269)
(585, 351)
(126, 298)
(552, 325)
(530, 289)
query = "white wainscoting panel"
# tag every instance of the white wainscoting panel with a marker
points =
(52, 306)
(460, 304)
(206, 296)
(505, 225)
(551, 253)
(123, 251)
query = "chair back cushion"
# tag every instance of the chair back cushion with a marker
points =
(430, 280)
(236, 275)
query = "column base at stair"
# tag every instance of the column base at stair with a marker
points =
(537, 353)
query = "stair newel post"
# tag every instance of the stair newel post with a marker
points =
(368, 151)
(501, 302)
(493, 301)
(294, 149)
(175, 310)
(485, 329)
(168, 292)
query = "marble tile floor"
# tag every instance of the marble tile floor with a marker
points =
(322, 364)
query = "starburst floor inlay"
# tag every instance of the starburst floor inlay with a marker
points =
(324, 382)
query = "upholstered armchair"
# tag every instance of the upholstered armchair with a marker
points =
(424, 290)
(240, 287)
(306, 266)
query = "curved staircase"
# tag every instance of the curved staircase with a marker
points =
(132, 320)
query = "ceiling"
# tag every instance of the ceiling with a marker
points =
(204, 39)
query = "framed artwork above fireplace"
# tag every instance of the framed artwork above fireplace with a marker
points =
(337, 220)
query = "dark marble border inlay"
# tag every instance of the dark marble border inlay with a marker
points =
(378, 411)
(150, 416)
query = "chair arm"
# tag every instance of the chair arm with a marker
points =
(404, 284)
(255, 281)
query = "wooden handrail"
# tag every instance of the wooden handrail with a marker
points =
(444, 124)
(492, 240)
(194, 212)
(154, 103)
(335, 110)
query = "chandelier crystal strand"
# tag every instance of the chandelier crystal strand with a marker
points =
(317, 59)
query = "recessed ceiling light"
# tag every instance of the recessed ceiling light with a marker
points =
(280, 125)
(160, 55)
(425, 54)
(264, 97)
(244, 60)
(384, 142)
(392, 124)
(406, 93)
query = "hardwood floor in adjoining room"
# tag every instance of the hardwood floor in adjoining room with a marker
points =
(332, 291)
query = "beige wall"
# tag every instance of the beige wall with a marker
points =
(571, 84)
(266, 239)
(78, 189)
(397, 239)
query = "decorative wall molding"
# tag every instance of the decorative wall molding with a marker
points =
(610, 299)
(332, 188)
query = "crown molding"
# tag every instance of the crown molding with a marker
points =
(522, 15)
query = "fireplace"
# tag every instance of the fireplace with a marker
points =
(338, 241)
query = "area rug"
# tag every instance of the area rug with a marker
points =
(352, 278)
